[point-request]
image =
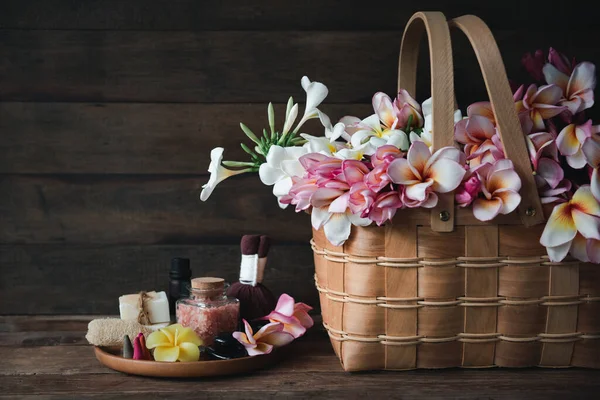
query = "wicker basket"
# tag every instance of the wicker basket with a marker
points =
(437, 289)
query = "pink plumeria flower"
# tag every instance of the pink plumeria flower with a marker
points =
(489, 151)
(549, 195)
(385, 155)
(301, 193)
(384, 127)
(265, 340)
(534, 64)
(500, 187)
(361, 198)
(477, 134)
(335, 218)
(468, 191)
(384, 109)
(570, 141)
(484, 109)
(354, 171)
(321, 166)
(541, 144)
(423, 174)
(561, 62)
(378, 178)
(549, 172)
(586, 250)
(541, 104)
(385, 206)
(578, 89)
(292, 316)
(580, 214)
(405, 107)
(591, 150)
(331, 200)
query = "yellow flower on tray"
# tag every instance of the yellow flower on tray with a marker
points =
(174, 343)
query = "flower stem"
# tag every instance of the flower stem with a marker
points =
(237, 164)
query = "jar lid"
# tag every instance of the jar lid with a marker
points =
(208, 283)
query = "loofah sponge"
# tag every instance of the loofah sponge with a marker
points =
(110, 331)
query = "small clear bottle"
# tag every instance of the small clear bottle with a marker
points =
(208, 310)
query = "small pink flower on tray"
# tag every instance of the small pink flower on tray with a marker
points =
(263, 341)
(293, 316)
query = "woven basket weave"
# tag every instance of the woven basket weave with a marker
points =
(437, 289)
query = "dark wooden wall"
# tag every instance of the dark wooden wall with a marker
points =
(108, 110)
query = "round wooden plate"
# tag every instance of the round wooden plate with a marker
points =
(110, 357)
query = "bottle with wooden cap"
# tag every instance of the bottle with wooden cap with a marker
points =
(208, 310)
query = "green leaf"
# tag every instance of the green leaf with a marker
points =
(271, 114)
(409, 123)
(249, 133)
(247, 150)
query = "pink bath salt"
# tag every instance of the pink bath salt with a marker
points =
(209, 322)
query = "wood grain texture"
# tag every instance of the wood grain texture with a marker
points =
(134, 138)
(71, 372)
(141, 209)
(268, 14)
(62, 279)
(150, 66)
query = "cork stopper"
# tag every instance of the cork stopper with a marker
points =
(209, 284)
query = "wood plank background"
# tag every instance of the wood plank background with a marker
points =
(109, 108)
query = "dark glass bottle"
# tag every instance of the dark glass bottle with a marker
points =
(179, 281)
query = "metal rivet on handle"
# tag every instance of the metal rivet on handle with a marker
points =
(530, 212)
(445, 216)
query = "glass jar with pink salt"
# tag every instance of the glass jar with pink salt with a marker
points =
(208, 310)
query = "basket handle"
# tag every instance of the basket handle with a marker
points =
(492, 68)
(442, 92)
(503, 105)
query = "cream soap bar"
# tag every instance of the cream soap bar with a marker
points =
(157, 307)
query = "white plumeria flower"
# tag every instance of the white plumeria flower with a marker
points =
(426, 135)
(290, 118)
(348, 153)
(218, 173)
(371, 131)
(334, 132)
(281, 165)
(315, 94)
(336, 225)
(322, 145)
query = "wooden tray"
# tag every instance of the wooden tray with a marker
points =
(110, 357)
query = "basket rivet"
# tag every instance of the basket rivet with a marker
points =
(530, 212)
(445, 216)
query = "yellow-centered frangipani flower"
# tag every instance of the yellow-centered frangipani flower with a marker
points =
(174, 343)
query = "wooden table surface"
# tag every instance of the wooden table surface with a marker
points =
(48, 358)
